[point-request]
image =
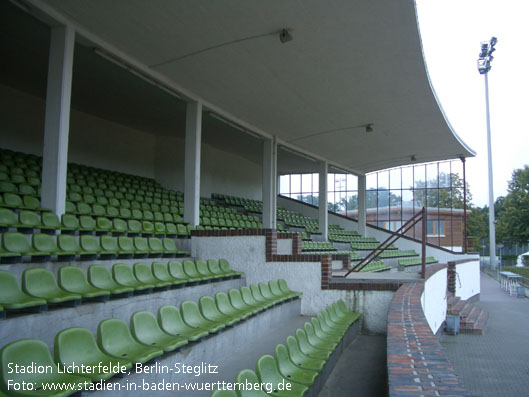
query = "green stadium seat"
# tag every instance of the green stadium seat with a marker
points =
(144, 274)
(146, 330)
(99, 276)
(98, 210)
(159, 229)
(169, 247)
(72, 279)
(290, 370)
(125, 212)
(331, 317)
(192, 317)
(70, 223)
(112, 212)
(142, 247)
(12, 200)
(12, 297)
(8, 219)
(210, 311)
(67, 246)
(45, 244)
(330, 327)
(7, 187)
(309, 349)
(316, 341)
(190, 270)
(225, 267)
(247, 376)
(341, 311)
(119, 226)
(268, 372)
(249, 299)
(171, 322)
(203, 269)
(156, 249)
(103, 225)
(238, 303)
(224, 305)
(215, 269)
(161, 273)
(300, 359)
(125, 247)
(28, 220)
(267, 293)
(124, 276)
(176, 270)
(49, 223)
(181, 229)
(83, 209)
(147, 228)
(40, 283)
(284, 287)
(76, 346)
(109, 247)
(134, 227)
(90, 247)
(27, 352)
(276, 291)
(114, 338)
(15, 245)
(327, 336)
(171, 230)
(87, 224)
(258, 296)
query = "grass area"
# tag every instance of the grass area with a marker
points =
(522, 271)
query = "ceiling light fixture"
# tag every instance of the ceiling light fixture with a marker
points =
(413, 158)
(369, 127)
(285, 36)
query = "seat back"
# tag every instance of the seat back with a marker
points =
(43, 243)
(190, 269)
(15, 242)
(208, 308)
(72, 278)
(99, 276)
(155, 244)
(9, 290)
(274, 288)
(169, 244)
(225, 266)
(236, 299)
(176, 270)
(267, 371)
(247, 376)
(123, 275)
(76, 345)
(70, 221)
(144, 327)
(86, 222)
(109, 244)
(119, 225)
(191, 314)
(143, 273)
(7, 217)
(50, 220)
(103, 223)
(89, 243)
(265, 291)
(68, 243)
(170, 319)
(141, 244)
(29, 218)
(113, 337)
(202, 268)
(125, 244)
(214, 267)
(159, 270)
(39, 282)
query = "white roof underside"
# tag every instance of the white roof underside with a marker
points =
(350, 63)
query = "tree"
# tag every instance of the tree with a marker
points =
(448, 192)
(513, 217)
(477, 222)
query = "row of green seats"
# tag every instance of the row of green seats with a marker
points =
(29, 177)
(100, 186)
(397, 254)
(353, 255)
(376, 266)
(318, 246)
(8, 173)
(300, 361)
(44, 247)
(416, 261)
(40, 288)
(118, 346)
(368, 246)
(23, 189)
(339, 232)
(126, 200)
(230, 223)
(82, 208)
(28, 220)
(13, 200)
(351, 238)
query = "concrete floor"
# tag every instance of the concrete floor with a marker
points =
(361, 370)
(496, 363)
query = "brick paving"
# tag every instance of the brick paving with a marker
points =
(497, 362)
(417, 364)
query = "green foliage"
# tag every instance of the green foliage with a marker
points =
(447, 192)
(477, 222)
(513, 215)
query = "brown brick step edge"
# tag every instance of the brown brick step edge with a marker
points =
(473, 318)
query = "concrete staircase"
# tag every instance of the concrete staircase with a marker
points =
(473, 318)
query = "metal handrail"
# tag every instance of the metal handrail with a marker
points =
(418, 217)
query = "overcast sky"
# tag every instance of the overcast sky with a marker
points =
(451, 32)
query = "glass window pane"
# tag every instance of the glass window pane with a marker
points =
(339, 182)
(315, 183)
(432, 175)
(383, 180)
(371, 181)
(395, 178)
(445, 198)
(457, 168)
(330, 182)
(284, 184)
(444, 174)
(371, 199)
(295, 183)
(352, 201)
(352, 182)
(383, 198)
(407, 178)
(306, 183)
(419, 173)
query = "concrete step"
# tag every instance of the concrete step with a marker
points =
(465, 312)
(456, 309)
(452, 301)
(473, 318)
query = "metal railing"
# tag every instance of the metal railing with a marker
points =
(418, 217)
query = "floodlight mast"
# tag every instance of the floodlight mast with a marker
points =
(484, 66)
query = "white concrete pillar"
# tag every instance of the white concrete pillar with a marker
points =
(57, 119)
(362, 205)
(269, 183)
(322, 202)
(192, 163)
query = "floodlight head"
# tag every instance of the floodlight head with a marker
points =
(493, 41)
(285, 36)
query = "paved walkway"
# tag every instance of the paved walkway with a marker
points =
(496, 363)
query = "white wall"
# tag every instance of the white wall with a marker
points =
(93, 141)
(433, 300)
(247, 254)
(468, 280)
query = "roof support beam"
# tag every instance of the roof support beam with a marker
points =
(269, 183)
(57, 119)
(362, 205)
(192, 163)
(322, 202)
